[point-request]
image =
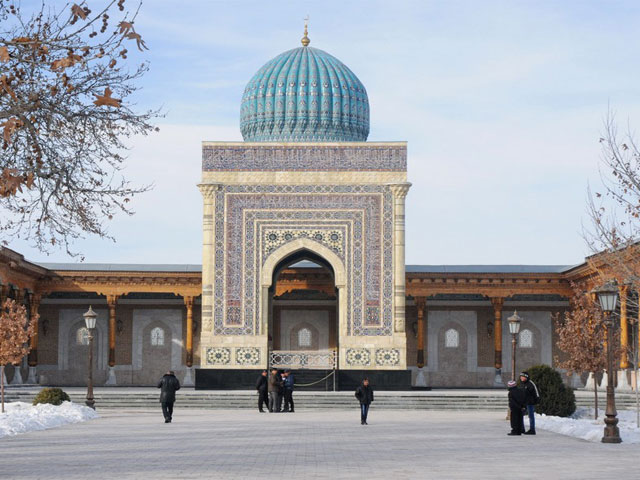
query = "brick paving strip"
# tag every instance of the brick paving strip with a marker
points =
(230, 444)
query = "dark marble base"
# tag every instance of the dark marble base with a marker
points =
(245, 379)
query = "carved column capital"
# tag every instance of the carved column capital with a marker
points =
(400, 190)
(208, 190)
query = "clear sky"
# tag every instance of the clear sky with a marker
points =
(501, 103)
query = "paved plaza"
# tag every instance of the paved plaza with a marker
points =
(239, 444)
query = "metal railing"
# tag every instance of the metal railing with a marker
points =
(304, 359)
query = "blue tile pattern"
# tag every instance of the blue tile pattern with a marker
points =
(356, 221)
(325, 158)
(304, 95)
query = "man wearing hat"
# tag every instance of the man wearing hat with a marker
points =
(516, 407)
(532, 397)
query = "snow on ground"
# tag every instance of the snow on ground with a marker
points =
(582, 425)
(20, 417)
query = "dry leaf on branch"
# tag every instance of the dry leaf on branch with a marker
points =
(5, 86)
(125, 27)
(106, 99)
(4, 54)
(10, 126)
(136, 36)
(65, 62)
(78, 11)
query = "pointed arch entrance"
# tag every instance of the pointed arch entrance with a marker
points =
(302, 305)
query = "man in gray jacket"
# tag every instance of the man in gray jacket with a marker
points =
(275, 391)
(168, 387)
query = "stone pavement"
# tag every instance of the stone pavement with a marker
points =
(218, 444)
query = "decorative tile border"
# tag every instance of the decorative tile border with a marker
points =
(304, 158)
(241, 208)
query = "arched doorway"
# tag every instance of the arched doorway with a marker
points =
(301, 301)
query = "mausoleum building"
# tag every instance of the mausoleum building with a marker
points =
(303, 267)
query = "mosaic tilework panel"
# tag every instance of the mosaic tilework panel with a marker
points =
(218, 356)
(347, 223)
(387, 357)
(358, 357)
(273, 239)
(242, 208)
(304, 158)
(248, 356)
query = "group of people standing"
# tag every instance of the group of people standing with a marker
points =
(274, 388)
(523, 397)
(277, 386)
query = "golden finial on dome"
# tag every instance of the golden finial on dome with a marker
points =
(305, 40)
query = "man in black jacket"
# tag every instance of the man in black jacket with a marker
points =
(517, 403)
(532, 399)
(168, 385)
(364, 394)
(261, 387)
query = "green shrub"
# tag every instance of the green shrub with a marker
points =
(555, 398)
(54, 396)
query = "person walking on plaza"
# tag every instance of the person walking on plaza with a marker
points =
(168, 387)
(364, 394)
(275, 391)
(261, 387)
(288, 391)
(532, 398)
(517, 404)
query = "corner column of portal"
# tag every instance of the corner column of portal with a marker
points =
(399, 191)
(208, 191)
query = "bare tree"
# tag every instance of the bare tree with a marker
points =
(65, 110)
(613, 233)
(15, 331)
(581, 336)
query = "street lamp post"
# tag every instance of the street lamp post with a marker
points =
(90, 321)
(608, 298)
(514, 329)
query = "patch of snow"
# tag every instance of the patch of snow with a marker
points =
(582, 425)
(20, 417)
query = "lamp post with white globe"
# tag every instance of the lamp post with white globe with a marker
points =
(608, 298)
(90, 321)
(514, 329)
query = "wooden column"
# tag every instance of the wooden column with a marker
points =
(421, 305)
(4, 291)
(497, 303)
(188, 301)
(624, 328)
(33, 341)
(111, 302)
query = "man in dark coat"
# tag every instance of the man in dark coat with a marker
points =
(275, 391)
(532, 398)
(261, 387)
(517, 404)
(288, 391)
(364, 394)
(168, 387)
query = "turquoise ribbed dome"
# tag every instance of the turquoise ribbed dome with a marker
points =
(304, 95)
